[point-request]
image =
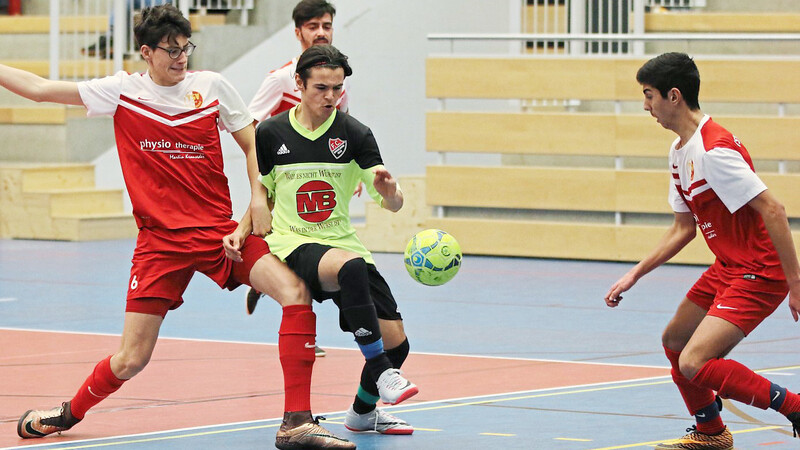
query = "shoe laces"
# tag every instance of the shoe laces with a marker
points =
(692, 429)
(54, 417)
(395, 380)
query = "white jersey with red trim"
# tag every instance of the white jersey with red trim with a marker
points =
(714, 179)
(278, 93)
(169, 145)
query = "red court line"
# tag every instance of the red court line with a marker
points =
(191, 383)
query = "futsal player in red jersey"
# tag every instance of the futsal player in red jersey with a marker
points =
(716, 189)
(166, 127)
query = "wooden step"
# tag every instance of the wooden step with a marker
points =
(59, 201)
(72, 228)
(18, 178)
(199, 21)
(81, 69)
(33, 115)
(41, 24)
(72, 202)
(35, 24)
(714, 22)
(95, 227)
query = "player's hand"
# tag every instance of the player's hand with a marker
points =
(260, 217)
(614, 295)
(232, 244)
(359, 189)
(794, 300)
(386, 185)
(384, 182)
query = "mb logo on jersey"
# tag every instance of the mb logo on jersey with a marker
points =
(315, 201)
(337, 147)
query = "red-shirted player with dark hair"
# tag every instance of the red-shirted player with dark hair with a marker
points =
(716, 188)
(166, 125)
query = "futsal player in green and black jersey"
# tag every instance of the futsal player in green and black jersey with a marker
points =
(311, 159)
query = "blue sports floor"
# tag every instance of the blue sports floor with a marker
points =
(501, 354)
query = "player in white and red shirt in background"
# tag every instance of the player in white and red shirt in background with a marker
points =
(313, 21)
(716, 189)
(166, 127)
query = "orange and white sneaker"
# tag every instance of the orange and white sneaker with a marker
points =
(696, 440)
(40, 423)
(309, 436)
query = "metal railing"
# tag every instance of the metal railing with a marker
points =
(89, 50)
(676, 3)
(590, 16)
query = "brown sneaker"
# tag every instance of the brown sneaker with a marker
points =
(39, 423)
(309, 436)
(696, 440)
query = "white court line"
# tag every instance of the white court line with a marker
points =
(83, 443)
(223, 341)
(7, 299)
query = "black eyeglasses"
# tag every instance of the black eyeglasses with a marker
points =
(175, 52)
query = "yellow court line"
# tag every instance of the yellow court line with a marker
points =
(526, 397)
(573, 439)
(642, 444)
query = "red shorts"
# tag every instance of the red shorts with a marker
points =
(165, 261)
(744, 300)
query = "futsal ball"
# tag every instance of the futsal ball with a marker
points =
(433, 257)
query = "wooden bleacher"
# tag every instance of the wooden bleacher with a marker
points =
(577, 191)
(554, 18)
(60, 202)
(52, 200)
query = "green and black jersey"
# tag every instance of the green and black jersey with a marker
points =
(311, 176)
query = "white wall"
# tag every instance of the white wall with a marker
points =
(387, 46)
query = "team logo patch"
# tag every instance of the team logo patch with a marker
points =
(691, 170)
(194, 99)
(315, 201)
(337, 147)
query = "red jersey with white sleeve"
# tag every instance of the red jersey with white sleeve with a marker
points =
(169, 145)
(278, 93)
(714, 179)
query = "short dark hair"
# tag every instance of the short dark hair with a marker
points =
(311, 9)
(673, 70)
(152, 24)
(321, 56)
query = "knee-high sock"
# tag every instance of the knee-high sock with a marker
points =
(296, 340)
(733, 380)
(700, 401)
(98, 385)
(367, 396)
(357, 307)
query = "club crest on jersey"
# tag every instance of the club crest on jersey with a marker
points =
(337, 147)
(315, 201)
(194, 99)
(691, 170)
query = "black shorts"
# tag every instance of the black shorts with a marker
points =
(304, 260)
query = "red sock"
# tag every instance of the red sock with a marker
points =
(790, 404)
(100, 384)
(733, 380)
(695, 397)
(296, 343)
